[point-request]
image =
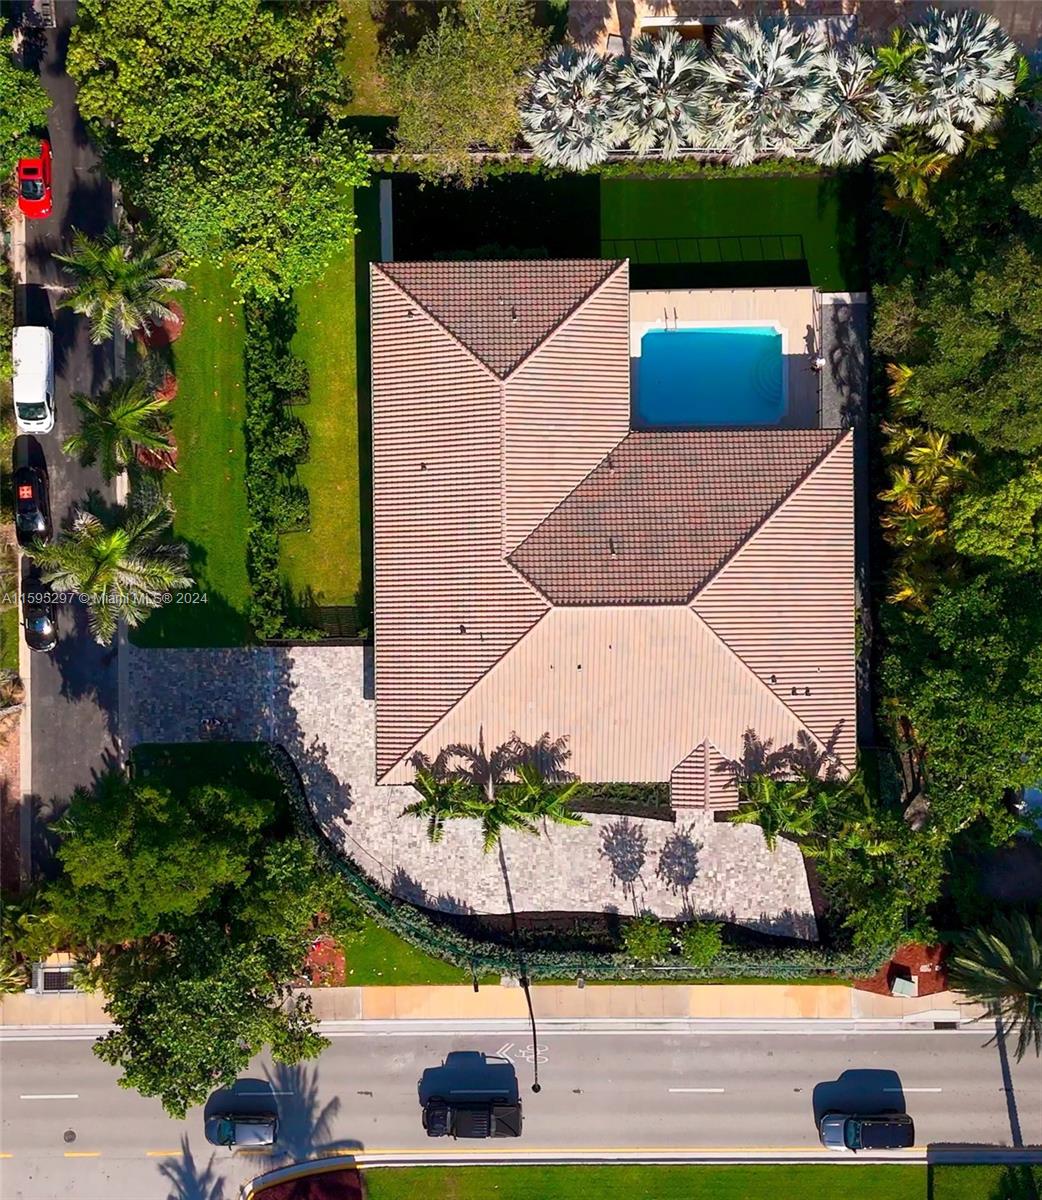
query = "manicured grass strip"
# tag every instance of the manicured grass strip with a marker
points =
(9, 639)
(1014, 1182)
(360, 62)
(776, 1182)
(735, 224)
(324, 565)
(208, 489)
(376, 956)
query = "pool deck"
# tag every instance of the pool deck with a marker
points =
(793, 311)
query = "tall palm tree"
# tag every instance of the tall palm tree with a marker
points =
(570, 114)
(1001, 968)
(546, 801)
(765, 81)
(778, 806)
(126, 416)
(660, 98)
(858, 108)
(913, 167)
(967, 67)
(894, 58)
(117, 285)
(441, 799)
(124, 570)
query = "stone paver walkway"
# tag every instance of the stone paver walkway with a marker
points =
(316, 701)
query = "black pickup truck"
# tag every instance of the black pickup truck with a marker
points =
(471, 1095)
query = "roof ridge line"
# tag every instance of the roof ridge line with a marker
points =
(407, 295)
(619, 264)
(843, 434)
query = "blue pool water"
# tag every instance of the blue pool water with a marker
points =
(693, 377)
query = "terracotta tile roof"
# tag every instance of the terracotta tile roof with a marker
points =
(501, 311)
(663, 511)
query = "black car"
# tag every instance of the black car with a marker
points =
(471, 1118)
(32, 511)
(41, 632)
(884, 1131)
(249, 1131)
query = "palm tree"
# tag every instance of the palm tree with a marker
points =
(113, 426)
(858, 109)
(967, 67)
(544, 800)
(894, 59)
(659, 95)
(570, 115)
(441, 798)
(777, 806)
(765, 82)
(118, 286)
(122, 571)
(1001, 968)
(913, 167)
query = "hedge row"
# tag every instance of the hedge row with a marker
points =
(424, 931)
(276, 441)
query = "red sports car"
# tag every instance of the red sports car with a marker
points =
(34, 183)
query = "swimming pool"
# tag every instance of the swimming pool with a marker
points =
(694, 377)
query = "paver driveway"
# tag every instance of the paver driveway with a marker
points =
(317, 702)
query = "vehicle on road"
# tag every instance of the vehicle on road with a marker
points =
(471, 1118)
(882, 1131)
(32, 355)
(38, 623)
(249, 1131)
(32, 510)
(34, 183)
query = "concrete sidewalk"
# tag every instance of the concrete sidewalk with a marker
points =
(743, 1002)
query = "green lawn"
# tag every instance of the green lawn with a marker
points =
(743, 231)
(375, 957)
(9, 639)
(208, 489)
(325, 566)
(776, 1182)
(986, 1183)
(360, 64)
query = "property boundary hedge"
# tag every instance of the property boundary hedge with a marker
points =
(426, 933)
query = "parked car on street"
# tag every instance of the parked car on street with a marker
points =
(32, 355)
(471, 1119)
(884, 1131)
(38, 623)
(249, 1131)
(34, 183)
(471, 1095)
(32, 510)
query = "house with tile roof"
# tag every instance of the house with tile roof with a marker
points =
(662, 599)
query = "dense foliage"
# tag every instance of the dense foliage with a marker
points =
(199, 904)
(221, 118)
(459, 88)
(23, 112)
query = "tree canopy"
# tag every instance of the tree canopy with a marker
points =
(459, 88)
(23, 112)
(221, 118)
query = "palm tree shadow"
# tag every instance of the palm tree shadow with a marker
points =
(305, 1123)
(189, 1181)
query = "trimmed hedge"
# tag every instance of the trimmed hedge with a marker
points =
(423, 930)
(275, 442)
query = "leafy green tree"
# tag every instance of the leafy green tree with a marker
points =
(23, 112)
(137, 856)
(124, 570)
(458, 90)
(1001, 968)
(191, 1015)
(118, 286)
(647, 939)
(113, 426)
(1001, 517)
(222, 120)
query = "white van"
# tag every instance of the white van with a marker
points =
(32, 351)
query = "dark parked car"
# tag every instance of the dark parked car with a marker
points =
(886, 1131)
(249, 1131)
(41, 632)
(32, 511)
(471, 1119)
(471, 1095)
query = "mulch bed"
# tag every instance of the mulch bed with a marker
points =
(156, 337)
(342, 1184)
(927, 962)
(10, 804)
(325, 965)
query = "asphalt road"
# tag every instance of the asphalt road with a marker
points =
(68, 1130)
(73, 689)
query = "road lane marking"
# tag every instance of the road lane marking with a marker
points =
(83, 1154)
(904, 1089)
(5, 1154)
(163, 1153)
(264, 1093)
(715, 1091)
(51, 1096)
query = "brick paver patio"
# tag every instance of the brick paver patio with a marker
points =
(316, 701)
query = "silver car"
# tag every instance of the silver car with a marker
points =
(884, 1131)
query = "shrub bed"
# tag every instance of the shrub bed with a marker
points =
(424, 930)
